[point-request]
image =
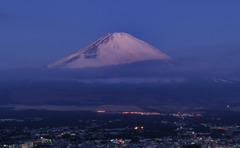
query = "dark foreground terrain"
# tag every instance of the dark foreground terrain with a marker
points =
(32, 128)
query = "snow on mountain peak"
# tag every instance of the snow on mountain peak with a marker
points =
(112, 49)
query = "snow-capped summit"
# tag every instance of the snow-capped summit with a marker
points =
(112, 49)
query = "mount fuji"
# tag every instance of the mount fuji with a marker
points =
(111, 49)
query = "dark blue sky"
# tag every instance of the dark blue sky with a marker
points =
(40, 32)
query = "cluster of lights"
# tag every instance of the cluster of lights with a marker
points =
(118, 141)
(222, 128)
(180, 115)
(143, 113)
(101, 111)
(138, 127)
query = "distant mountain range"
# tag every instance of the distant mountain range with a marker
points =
(111, 49)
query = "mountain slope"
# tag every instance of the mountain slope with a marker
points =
(112, 49)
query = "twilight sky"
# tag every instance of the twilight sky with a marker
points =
(35, 33)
